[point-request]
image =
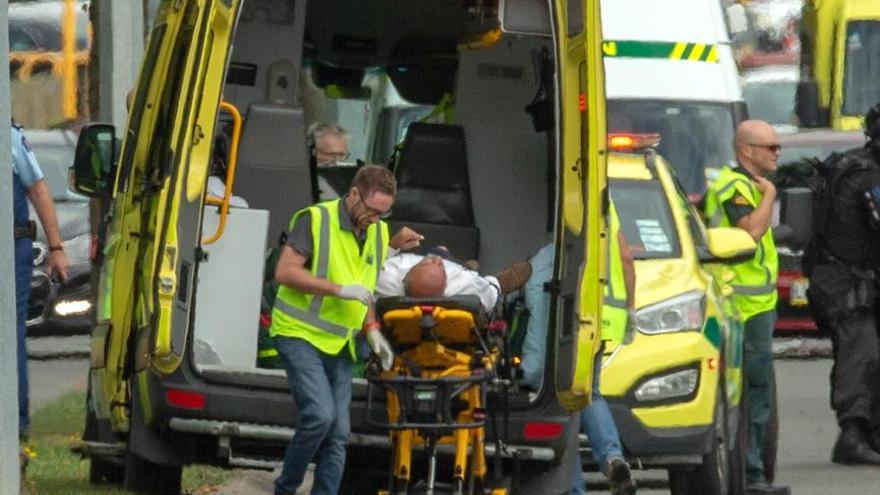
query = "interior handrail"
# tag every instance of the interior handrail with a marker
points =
(223, 203)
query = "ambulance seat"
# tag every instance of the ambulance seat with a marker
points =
(433, 189)
(273, 164)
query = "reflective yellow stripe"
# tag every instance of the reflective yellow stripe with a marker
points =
(267, 353)
(678, 51)
(713, 54)
(696, 52)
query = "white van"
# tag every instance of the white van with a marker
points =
(669, 69)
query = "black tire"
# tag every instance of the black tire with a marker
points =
(771, 431)
(713, 476)
(143, 476)
(739, 449)
(102, 469)
(365, 473)
(679, 482)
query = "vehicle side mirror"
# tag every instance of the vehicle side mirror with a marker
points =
(94, 163)
(796, 216)
(728, 245)
(807, 104)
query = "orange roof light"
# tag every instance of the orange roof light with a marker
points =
(630, 141)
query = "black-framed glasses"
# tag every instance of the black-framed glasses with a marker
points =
(373, 211)
(773, 148)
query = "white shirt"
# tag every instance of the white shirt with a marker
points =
(460, 281)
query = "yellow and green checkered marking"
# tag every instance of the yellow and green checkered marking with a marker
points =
(694, 52)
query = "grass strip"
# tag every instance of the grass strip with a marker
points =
(57, 470)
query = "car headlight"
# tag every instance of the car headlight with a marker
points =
(683, 312)
(669, 386)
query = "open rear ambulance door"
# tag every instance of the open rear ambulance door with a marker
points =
(162, 172)
(581, 152)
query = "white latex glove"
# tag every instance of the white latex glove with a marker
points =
(629, 332)
(380, 347)
(356, 292)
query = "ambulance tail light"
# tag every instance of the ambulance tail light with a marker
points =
(542, 430)
(185, 399)
(632, 141)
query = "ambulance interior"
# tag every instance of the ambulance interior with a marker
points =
(481, 183)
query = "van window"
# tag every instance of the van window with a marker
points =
(860, 89)
(693, 136)
(645, 219)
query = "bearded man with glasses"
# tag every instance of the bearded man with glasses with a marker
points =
(742, 197)
(327, 273)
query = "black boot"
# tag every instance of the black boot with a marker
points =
(852, 447)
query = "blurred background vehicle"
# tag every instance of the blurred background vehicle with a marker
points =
(49, 43)
(61, 308)
(670, 70)
(769, 92)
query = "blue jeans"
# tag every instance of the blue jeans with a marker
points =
(597, 422)
(534, 348)
(757, 362)
(24, 269)
(321, 387)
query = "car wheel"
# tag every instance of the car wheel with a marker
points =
(102, 469)
(713, 476)
(365, 472)
(771, 431)
(144, 476)
(740, 448)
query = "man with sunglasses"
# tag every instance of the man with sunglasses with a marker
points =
(844, 256)
(742, 197)
(327, 272)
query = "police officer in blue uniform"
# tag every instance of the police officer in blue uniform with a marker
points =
(28, 184)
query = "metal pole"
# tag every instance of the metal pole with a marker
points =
(121, 46)
(9, 464)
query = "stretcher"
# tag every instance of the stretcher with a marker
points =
(446, 361)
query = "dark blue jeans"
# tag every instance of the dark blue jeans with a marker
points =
(757, 362)
(598, 423)
(321, 387)
(24, 268)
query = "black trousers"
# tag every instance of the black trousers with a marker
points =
(855, 376)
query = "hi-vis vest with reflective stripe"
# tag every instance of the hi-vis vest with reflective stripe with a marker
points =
(754, 284)
(614, 303)
(328, 322)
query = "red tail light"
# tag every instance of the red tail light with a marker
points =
(542, 431)
(185, 399)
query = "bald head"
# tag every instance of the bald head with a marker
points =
(426, 279)
(757, 146)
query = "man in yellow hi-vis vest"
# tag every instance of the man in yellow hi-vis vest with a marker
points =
(618, 326)
(743, 197)
(327, 272)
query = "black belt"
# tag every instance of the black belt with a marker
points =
(26, 231)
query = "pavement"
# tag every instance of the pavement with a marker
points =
(60, 364)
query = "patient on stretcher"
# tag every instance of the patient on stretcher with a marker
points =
(435, 276)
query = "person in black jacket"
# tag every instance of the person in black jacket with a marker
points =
(845, 259)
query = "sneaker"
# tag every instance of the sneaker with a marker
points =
(765, 488)
(619, 477)
(514, 276)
